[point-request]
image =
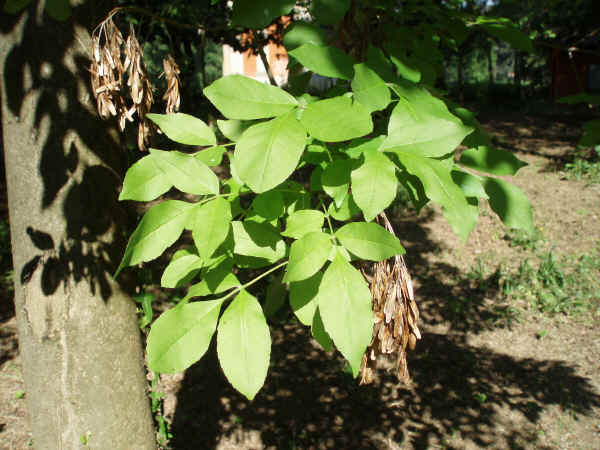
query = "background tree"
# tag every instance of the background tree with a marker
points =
(78, 334)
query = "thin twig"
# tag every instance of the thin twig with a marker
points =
(263, 58)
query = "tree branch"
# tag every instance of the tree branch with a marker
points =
(263, 58)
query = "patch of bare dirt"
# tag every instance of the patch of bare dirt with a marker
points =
(481, 379)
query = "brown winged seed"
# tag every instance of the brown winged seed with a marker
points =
(395, 312)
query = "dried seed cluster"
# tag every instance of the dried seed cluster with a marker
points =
(395, 313)
(113, 60)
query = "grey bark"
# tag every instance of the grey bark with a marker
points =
(78, 335)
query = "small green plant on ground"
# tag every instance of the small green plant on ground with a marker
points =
(567, 285)
(525, 240)
(585, 168)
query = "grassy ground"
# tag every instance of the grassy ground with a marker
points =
(510, 356)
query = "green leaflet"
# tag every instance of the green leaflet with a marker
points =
(302, 222)
(186, 173)
(369, 241)
(276, 297)
(240, 97)
(337, 119)
(318, 331)
(303, 33)
(362, 145)
(211, 156)
(346, 211)
(307, 256)
(325, 60)
(144, 181)
(329, 12)
(504, 29)
(336, 179)
(470, 184)
(244, 344)
(160, 227)
(369, 89)
(405, 69)
(510, 203)
(257, 14)
(233, 129)
(184, 128)
(491, 160)
(269, 205)
(210, 225)
(345, 307)
(180, 271)
(377, 61)
(433, 137)
(304, 297)
(440, 188)
(268, 152)
(374, 184)
(259, 241)
(181, 335)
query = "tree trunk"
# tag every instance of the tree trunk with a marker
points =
(78, 336)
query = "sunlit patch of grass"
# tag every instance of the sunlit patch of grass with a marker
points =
(585, 168)
(551, 284)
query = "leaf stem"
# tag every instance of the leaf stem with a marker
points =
(328, 221)
(254, 280)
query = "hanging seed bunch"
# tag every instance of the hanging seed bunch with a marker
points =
(171, 73)
(113, 60)
(395, 314)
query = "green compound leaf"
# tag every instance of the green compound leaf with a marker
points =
(304, 298)
(258, 240)
(325, 60)
(336, 180)
(240, 97)
(160, 227)
(303, 33)
(181, 335)
(369, 241)
(318, 331)
(211, 156)
(491, 160)
(145, 181)
(203, 288)
(307, 256)
(268, 152)
(510, 203)
(210, 225)
(345, 307)
(363, 145)
(440, 188)
(369, 89)
(184, 128)
(244, 344)
(257, 14)
(329, 12)
(186, 173)
(374, 184)
(302, 222)
(180, 271)
(337, 119)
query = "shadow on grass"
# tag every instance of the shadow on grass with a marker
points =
(458, 389)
